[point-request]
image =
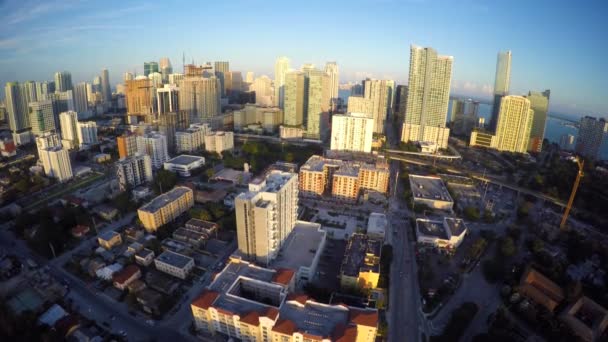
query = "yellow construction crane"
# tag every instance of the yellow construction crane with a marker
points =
(579, 175)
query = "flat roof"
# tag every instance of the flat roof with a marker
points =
(430, 188)
(162, 200)
(174, 259)
(358, 247)
(201, 225)
(314, 318)
(185, 159)
(431, 228)
(377, 223)
(108, 235)
(300, 246)
(455, 225)
(144, 253)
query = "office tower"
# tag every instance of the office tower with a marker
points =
(97, 85)
(133, 171)
(281, 67)
(106, 91)
(249, 77)
(150, 67)
(127, 145)
(165, 68)
(514, 124)
(81, 102)
(236, 82)
(331, 68)
(293, 91)
(464, 116)
(378, 91)
(91, 95)
(56, 163)
(428, 96)
(566, 142)
(200, 97)
(41, 117)
(128, 77)
(591, 134)
(62, 102)
(68, 122)
(266, 214)
(262, 86)
(352, 132)
(16, 107)
(29, 89)
(360, 104)
(221, 70)
(502, 82)
(539, 103)
(154, 144)
(63, 81)
(140, 98)
(87, 133)
(43, 89)
(317, 84)
(400, 103)
(167, 98)
(175, 78)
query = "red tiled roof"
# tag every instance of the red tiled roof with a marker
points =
(284, 326)
(125, 274)
(252, 318)
(364, 317)
(283, 276)
(271, 313)
(344, 333)
(206, 299)
(80, 230)
(300, 298)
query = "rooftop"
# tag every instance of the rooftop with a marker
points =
(108, 235)
(358, 248)
(431, 228)
(377, 223)
(162, 200)
(174, 259)
(125, 274)
(144, 253)
(185, 159)
(429, 187)
(300, 246)
(311, 318)
(455, 225)
(201, 225)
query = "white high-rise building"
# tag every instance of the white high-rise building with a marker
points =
(68, 121)
(133, 171)
(175, 78)
(154, 144)
(63, 81)
(281, 67)
(41, 117)
(266, 214)
(192, 138)
(168, 99)
(87, 133)
(81, 102)
(106, 90)
(379, 92)
(219, 141)
(128, 76)
(352, 132)
(56, 163)
(428, 97)
(514, 124)
(48, 139)
(331, 68)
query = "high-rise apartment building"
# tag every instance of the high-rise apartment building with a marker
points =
(428, 97)
(514, 124)
(249, 77)
(219, 141)
(266, 214)
(63, 81)
(150, 67)
(42, 118)
(332, 70)
(317, 101)
(502, 83)
(106, 90)
(87, 133)
(56, 163)
(175, 78)
(127, 145)
(281, 67)
(464, 116)
(200, 96)
(140, 97)
(97, 85)
(168, 100)
(264, 94)
(133, 171)
(154, 144)
(62, 102)
(293, 91)
(221, 72)
(380, 93)
(400, 103)
(128, 76)
(48, 139)
(360, 104)
(165, 68)
(352, 132)
(16, 107)
(192, 138)
(43, 89)
(81, 102)
(166, 207)
(68, 122)
(539, 102)
(591, 134)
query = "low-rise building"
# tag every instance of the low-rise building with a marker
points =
(184, 164)
(109, 239)
(447, 234)
(166, 207)
(361, 264)
(126, 276)
(430, 191)
(587, 319)
(377, 224)
(540, 289)
(80, 231)
(144, 257)
(483, 139)
(106, 212)
(150, 301)
(175, 264)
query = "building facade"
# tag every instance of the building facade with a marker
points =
(68, 122)
(166, 207)
(200, 97)
(502, 83)
(42, 118)
(352, 132)
(514, 124)
(127, 145)
(133, 171)
(192, 138)
(591, 134)
(539, 103)
(281, 67)
(154, 144)
(294, 97)
(87, 133)
(219, 141)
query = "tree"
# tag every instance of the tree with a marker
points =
(493, 269)
(471, 213)
(201, 214)
(165, 180)
(507, 247)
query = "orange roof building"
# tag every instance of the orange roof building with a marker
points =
(539, 289)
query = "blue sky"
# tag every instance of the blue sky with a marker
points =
(559, 45)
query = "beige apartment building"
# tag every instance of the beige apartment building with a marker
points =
(166, 207)
(514, 124)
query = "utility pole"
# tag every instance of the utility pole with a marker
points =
(579, 175)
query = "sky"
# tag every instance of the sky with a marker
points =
(558, 45)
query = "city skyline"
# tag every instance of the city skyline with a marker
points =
(555, 63)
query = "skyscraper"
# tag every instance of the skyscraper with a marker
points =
(539, 102)
(249, 77)
(167, 98)
(400, 103)
(293, 90)
(63, 81)
(56, 163)
(317, 103)
(140, 98)
(352, 132)
(41, 115)
(150, 67)
(106, 91)
(264, 94)
(200, 96)
(360, 104)
(16, 107)
(128, 77)
(501, 84)
(331, 68)
(428, 96)
(514, 124)
(81, 102)
(68, 122)
(154, 144)
(281, 67)
(165, 68)
(591, 135)
(464, 116)
(221, 70)
(379, 92)
(127, 145)
(266, 214)
(133, 171)
(87, 133)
